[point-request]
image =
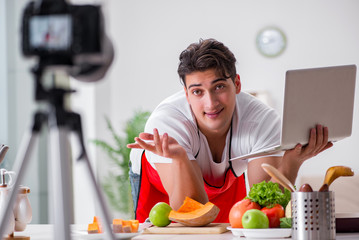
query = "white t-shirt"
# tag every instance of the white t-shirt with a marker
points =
(255, 126)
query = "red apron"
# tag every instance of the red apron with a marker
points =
(152, 191)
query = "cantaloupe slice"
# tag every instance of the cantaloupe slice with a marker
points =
(190, 205)
(200, 216)
(135, 225)
(95, 227)
(92, 228)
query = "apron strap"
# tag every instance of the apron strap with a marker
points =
(151, 190)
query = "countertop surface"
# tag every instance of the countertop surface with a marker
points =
(45, 231)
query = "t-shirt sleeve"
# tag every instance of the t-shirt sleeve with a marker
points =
(259, 130)
(178, 126)
(265, 133)
(257, 127)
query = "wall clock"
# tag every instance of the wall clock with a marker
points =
(271, 42)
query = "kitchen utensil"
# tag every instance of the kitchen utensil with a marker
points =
(305, 188)
(278, 176)
(177, 228)
(333, 173)
(313, 215)
(3, 150)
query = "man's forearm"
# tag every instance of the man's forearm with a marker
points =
(189, 183)
(182, 178)
(290, 169)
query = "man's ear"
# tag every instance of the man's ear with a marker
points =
(185, 90)
(237, 84)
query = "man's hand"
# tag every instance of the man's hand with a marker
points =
(292, 160)
(318, 142)
(164, 146)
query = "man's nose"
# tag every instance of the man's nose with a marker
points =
(211, 100)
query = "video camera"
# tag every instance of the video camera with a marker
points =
(68, 35)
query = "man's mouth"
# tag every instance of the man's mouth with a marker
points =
(213, 114)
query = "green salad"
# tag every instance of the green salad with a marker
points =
(268, 194)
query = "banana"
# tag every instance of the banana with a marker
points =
(335, 172)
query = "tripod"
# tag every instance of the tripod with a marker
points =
(60, 122)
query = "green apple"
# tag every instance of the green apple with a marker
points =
(159, 214)
(255, 218)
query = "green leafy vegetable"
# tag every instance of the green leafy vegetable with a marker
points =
(267, 194)
(285, 222)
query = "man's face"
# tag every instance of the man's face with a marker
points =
(212, 99)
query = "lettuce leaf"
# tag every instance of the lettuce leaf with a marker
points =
(268, 193)
(285, 222)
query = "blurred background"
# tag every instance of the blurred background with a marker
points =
(148, 37)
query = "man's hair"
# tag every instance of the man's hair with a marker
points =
(204, 55)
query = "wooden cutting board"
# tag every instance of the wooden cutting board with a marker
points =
(177, 228)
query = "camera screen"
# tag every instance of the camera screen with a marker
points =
(51, 32)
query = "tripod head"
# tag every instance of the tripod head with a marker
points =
(69, 36)
(54, 96)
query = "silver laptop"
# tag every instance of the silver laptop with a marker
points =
(315, 96)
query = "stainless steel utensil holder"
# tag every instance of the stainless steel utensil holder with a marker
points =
(313, 215)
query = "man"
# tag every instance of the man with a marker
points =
(190, 137)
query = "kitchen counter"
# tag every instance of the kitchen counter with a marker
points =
(45, 232)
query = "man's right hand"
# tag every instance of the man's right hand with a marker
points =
(164, 146)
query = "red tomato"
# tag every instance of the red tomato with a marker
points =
(274, 214)
(238, 209)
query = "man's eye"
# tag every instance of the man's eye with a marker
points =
(196, 92)
(220, 86)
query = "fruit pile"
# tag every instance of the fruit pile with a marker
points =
(118, 226)
(125, 226)
(262, 208)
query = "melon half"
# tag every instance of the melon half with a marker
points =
(194, 214)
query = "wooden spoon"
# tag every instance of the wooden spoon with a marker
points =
(278, 176)
(333, 173)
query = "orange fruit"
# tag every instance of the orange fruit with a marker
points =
(238, 209)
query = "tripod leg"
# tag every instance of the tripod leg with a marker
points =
(61, 191)
(104, 213)
(20, 166)
(84, 161)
